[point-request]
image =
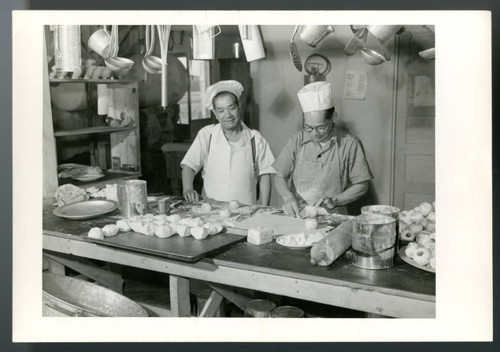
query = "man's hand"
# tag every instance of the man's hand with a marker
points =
(329, 203)
(191, 195)
(291, 206)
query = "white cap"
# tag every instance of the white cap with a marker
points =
(316, 96)
(230, 86)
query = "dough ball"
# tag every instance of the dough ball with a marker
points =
(123, 225)
(225, 213)
(160, 217)
(183, 230)
(416, 228)
(136, 226)
(200, 233)
(407, 235)
(310, 212)
(423, 237)
(431, 217)
(431, 226)
(425, 208)
(96, 233)
(422, 256)
(411, 249)
(432, 263)
(311, 224)
(110, 230)
(174, 218)
(213, 228)
(206, 207)
(195, 222)
(234, 204)
(164, 231)
(416, 217)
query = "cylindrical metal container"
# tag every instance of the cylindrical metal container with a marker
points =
(259, 308)
(287, 312)
(132, 198)
(374, 241)
(387, 210)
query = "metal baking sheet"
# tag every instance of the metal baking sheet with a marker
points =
(85, 210)
(186, 249)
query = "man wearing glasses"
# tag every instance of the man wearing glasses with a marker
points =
(327, 166)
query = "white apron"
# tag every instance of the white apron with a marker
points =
(229, 173)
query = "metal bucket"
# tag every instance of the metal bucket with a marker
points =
(374, 241)
(259, 308)
(132, 198)
(65, 296)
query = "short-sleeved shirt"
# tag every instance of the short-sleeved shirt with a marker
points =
(197, 154)
(352, 156)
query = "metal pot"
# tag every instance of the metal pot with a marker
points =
(313, 34)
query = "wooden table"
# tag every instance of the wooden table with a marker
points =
(401, 291)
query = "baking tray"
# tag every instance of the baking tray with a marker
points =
(187, 249)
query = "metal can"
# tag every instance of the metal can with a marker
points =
(164, 206)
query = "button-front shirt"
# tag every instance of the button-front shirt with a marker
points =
(196, 156)
(352, 156)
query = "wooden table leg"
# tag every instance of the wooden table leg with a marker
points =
(56, 267)
(213, 303)
(179, 296)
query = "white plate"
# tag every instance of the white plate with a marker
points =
(85, 210)
(311, 239)
(410, 261)
(87, 178)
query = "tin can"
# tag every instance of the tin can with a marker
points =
(164, 206)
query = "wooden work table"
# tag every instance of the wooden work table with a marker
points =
(401, 291)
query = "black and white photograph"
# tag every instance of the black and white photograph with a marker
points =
(226, 166)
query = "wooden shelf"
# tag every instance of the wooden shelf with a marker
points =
(92, 130)
(109, 178)
(80, 80)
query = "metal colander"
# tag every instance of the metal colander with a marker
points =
(67, 47)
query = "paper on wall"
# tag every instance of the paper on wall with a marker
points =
(355, 85)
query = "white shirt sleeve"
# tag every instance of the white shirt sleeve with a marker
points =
(264, 155)
(197, 153)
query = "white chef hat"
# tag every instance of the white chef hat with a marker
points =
(316, 96)
(230, 86)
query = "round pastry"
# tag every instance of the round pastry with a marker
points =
(411, 249)
(96, 232)
(407, 235)
(311, 224)
(183, 230)
(225, 213)
(432, 263)
(123, 225)
(423, 237)
(422, 256)
(200, 233)
(206, 207)
(164, 231)
(234, 204)
(110, 230)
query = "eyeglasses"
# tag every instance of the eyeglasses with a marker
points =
(319, 129)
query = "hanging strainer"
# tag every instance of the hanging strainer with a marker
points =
(67, 48)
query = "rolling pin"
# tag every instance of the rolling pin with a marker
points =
(331, 247)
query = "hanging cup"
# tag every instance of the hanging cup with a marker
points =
(99, 42)
(312, 35)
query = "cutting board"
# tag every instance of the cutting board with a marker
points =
(282, 225)
(187, 249)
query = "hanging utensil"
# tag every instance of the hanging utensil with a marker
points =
(371, 57)
(294, 51)
(356, 42)
(163, 35)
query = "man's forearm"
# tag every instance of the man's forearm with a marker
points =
(281, 185)
(188, 175)
(352, 194)
(265, 189)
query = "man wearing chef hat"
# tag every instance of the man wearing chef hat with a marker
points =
(233, 158)
(327, 166)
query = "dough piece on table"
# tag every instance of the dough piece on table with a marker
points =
(422, 256)
(164, 231)
(200, 233)
(311, 224)
(69, 194)
(234, 204)
(195, 222)
(183, 230)
(110, 230)
(213, 228)
(206, 207)
(175, 218)
(260, 235)
(123, 225)
(225, 213)
(96, 233)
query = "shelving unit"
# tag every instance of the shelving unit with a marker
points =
(116, 150)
